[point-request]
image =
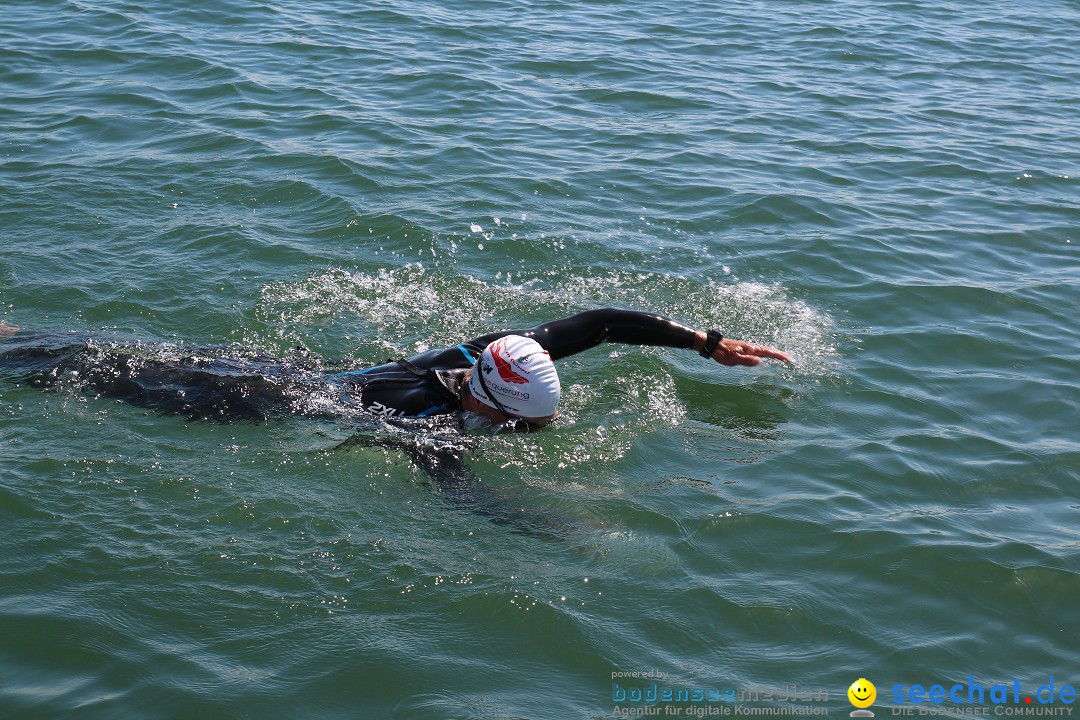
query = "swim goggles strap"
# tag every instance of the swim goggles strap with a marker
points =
(483, 384)
(513, 422)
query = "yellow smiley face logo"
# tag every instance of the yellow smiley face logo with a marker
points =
(862, 693)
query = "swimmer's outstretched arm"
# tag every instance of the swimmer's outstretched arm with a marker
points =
(588, 329)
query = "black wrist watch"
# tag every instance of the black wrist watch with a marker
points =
(712, 339)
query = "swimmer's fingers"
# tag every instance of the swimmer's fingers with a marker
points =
(740, 352)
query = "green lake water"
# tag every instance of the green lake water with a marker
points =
(889, 192)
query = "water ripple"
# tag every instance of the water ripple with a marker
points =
(887, 191)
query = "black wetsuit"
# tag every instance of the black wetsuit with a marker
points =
(199, 383)
(223, 384)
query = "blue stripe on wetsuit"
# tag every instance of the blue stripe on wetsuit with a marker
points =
(465, 352)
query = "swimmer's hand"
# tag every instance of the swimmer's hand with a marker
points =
(7, 329)
(739, 352)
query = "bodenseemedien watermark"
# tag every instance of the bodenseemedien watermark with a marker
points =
(651, 693)
(702, 711)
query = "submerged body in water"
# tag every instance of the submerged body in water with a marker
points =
(505, 378)
(221, 383)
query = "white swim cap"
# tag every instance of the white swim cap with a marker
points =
(518, 375)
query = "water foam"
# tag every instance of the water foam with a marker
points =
(409, 309)
(402, 310)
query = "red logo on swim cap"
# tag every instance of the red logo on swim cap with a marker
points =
(503, 365)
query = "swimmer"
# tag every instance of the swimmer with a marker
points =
(502, 381)
(506, 378)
